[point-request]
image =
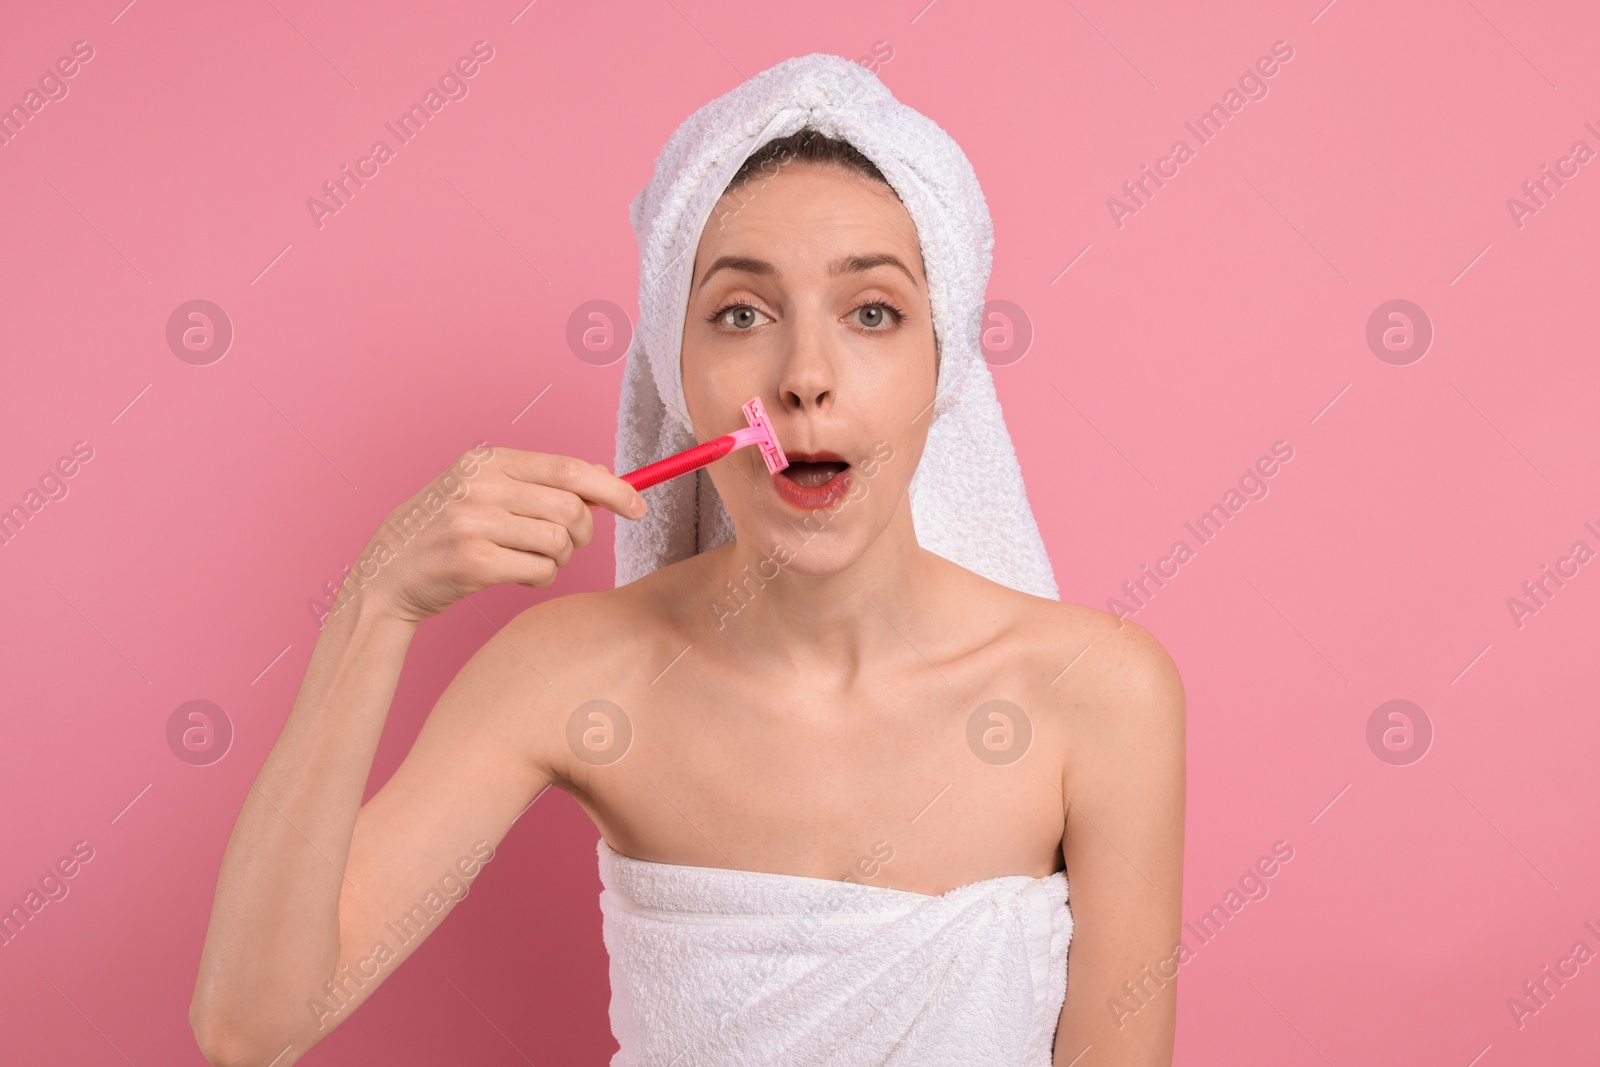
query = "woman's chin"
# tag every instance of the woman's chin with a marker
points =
(816, 543)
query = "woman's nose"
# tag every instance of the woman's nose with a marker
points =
(806, 377)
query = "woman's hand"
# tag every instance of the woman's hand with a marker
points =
(496, 515)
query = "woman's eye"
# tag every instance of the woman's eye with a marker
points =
(874, 314)
(739, 317)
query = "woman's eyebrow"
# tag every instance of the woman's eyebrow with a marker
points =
(842, 265)
(864, 263)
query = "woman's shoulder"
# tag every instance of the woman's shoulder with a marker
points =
(1103, 654)
(1126, 649)
(591, 634)
(1117, 689)
(578, 637)
(1106, 695)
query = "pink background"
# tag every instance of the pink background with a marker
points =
(1228, 313)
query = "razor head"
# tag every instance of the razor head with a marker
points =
(755, 413)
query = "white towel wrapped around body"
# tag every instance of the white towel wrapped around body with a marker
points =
(714, 967)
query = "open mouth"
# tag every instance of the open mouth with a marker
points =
(813, 475)
(813, 480)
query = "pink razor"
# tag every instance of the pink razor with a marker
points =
(759, 432)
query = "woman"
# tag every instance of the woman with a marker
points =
(879, 762)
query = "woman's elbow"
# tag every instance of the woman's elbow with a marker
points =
(223, 1043)
(218, 1045)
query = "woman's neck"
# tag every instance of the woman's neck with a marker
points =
(771, 609)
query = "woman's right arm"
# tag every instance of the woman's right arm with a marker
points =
(320, 898)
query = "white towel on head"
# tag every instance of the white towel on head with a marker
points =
(968, 502)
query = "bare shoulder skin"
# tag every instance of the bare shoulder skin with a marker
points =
(783, 770)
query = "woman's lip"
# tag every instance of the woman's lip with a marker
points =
(808, 498)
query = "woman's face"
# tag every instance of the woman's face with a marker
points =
(809, 292)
